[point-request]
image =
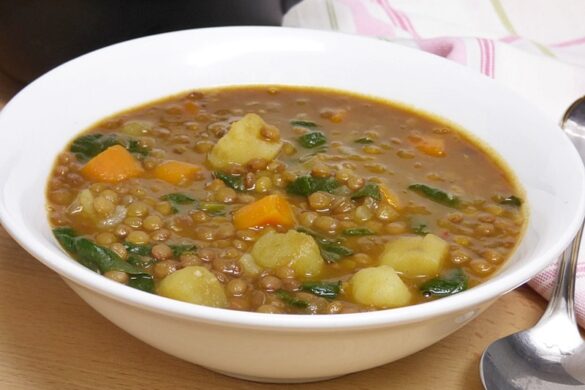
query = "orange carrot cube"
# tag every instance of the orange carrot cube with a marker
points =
(112, 166)
(271, 210)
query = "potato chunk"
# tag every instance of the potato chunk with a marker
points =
(416, 256)
(247, 139)
(194, 284)
(293, 249)
(380, 287)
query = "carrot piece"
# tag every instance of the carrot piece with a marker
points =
(431, 146)
(112, 165)
(176, 172)
(391, 197)
(191, 107)
(270, 210)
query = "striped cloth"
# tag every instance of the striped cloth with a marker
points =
(537, 49)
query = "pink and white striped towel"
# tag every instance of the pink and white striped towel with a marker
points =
(536, 48)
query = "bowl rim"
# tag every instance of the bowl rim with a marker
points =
(457, 303)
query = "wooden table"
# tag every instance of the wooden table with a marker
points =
(50, 339)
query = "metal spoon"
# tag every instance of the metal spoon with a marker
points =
(551, 355)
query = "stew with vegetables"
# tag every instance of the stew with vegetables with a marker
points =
(284, 200)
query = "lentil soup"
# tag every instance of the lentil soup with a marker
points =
(284, 200)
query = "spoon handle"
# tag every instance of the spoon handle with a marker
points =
(563, 296)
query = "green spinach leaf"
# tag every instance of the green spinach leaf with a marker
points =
(134, 146)
(216, 209)
(138, 249)
(93, 256)
(420, 229)
(370, 189)
(306, 185)
(512, 201)
(178, 250)
(291, 300)
(235, 182)
(358, 232)
(90, 254)
(89, 146)
(314, 152)
(450, 283)
(142, 262)
(176, 199)
(312, 140)
(306, 124)
(364, 141)
(142, 282)
(331, 249)
(66, 237)
(435, 195)
(328, 290)
(333, 252)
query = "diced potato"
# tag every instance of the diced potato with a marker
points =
(83, 205)
(296, 250)
(194, 284)
(245, 141)
(137, 127)
(249, 265)
(380, 287)
(416, 256)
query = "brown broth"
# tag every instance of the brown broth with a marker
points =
(481, 232)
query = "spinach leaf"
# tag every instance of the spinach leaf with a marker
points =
(142, 282)
(450, 283)
(331, 249)
(66, 237)
(91, 255)
(358, 232)
(364, 141)
(306, 185)
(420, 228)
(102, 260)
(291, 300)
(142, 262)
(178, 250)
(301, 123)
(328, 290)
(333, 252)
(133, 146)
(138, 249)
(235, 182)
(435, 195)
(312, 139)
(212, 208)
(88, 146)
(370, 189)
(176, 199)
(307, 157)
(512, 201)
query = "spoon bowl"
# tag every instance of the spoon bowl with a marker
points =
(551, 355)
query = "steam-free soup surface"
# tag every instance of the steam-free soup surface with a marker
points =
(284, 200)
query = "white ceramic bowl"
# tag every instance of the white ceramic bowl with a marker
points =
(41, 119)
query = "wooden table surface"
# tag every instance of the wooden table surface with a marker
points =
(50, 339)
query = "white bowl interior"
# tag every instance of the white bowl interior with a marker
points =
(40, 120)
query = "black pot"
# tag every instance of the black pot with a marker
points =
(37, 35)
